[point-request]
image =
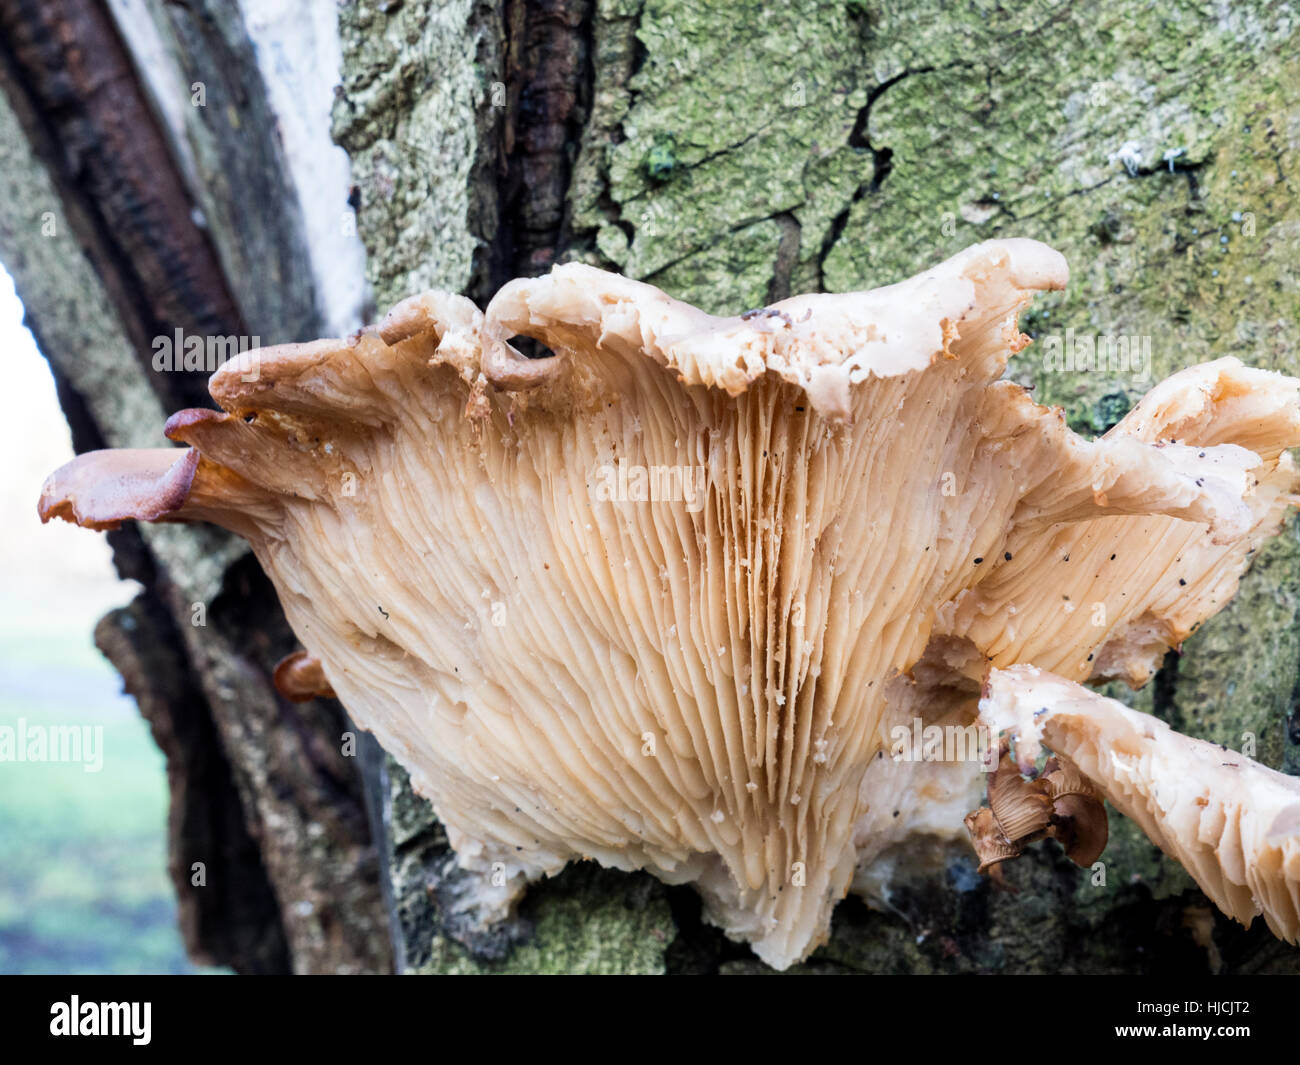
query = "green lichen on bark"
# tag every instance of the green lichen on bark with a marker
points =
(1235, 679)
(588, 921)
(736, 153)
(585, 921)
(415, 101)
(738, 114)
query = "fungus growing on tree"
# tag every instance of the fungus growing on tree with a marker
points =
(299, 677)
(1232, 823)
(1061, 803)
(666, 599)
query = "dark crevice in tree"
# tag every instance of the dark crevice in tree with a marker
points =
(994, 206)
(787, 257)
(882, 163)
(580, 113)
(612, 38)
(548, 76)
(375, 784)
(883, 159)
(483, 216)
(639, 56)
(860, 136)
(1167, 167)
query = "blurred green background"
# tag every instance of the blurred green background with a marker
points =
(83, 862)
(83, 881)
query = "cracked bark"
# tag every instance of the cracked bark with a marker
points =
(547, 78)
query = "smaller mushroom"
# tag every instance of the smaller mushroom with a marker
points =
(1061, 804)
(1079, 821)
(299, 677)
(991, 846)
(1022, 808)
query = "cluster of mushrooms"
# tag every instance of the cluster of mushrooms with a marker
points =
(891, 535)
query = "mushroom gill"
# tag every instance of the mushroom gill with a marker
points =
(661, 599)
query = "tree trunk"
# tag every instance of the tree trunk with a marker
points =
(119, 232)
(731, 154)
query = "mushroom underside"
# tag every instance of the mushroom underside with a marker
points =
(671, 599)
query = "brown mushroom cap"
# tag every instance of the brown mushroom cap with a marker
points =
(991, 845)
(299, 677)
(148, 484)
(698, 680)
(1061, 803)
(1080, 824)
(1021, 808)
(1079, 819)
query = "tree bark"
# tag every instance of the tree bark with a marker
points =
(731, 154)
(270, 849)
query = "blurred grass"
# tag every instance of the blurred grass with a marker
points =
(83, 881)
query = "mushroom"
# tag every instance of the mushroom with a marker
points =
(1232, 823)
(1061, 803)
(662, 599)
(1078, 814)
(299, 677)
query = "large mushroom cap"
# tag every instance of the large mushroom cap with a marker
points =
(661, 600)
